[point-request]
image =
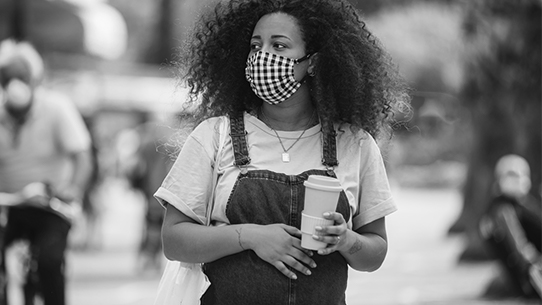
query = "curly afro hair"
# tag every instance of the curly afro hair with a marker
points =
(355, 81)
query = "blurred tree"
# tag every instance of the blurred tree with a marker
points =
(173, 20)
(502, 89)
(427, 46)
(173, 17)
(369, 7)
(65, 26)
(161, 45)
(18, 17)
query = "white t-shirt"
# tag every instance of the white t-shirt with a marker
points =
(53, 132)
(361, 168)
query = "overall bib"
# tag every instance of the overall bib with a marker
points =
(265, 197)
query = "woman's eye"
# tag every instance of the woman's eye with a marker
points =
(279, 46)
(254, 47)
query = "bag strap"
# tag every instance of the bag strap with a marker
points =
(223, 133)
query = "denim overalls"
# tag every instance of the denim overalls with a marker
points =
(265, 197)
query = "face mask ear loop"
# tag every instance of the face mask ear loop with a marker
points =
(299, 60)
(302, 59)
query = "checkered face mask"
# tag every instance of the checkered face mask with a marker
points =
(271, 76)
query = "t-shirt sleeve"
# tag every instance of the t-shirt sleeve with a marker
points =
(188, 183)
(376, 199)
(73, 134)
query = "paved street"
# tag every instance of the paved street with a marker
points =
(421, 267)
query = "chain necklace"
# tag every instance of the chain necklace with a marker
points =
(285, 154)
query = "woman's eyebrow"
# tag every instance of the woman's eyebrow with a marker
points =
(272, 37)
(280, 36)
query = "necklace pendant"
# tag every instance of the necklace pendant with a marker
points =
(285, 157)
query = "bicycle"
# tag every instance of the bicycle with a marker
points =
(24, 268)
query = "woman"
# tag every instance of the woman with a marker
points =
(305, 88)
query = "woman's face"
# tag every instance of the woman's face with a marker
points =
(280, 34)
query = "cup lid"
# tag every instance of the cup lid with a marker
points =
(323, 183)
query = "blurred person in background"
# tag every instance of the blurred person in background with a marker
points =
(89, 223)
(145, 168)
(45, 161)
(512, 228)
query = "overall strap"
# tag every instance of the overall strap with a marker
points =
(238, 136)
(240, 147)
(329, 146)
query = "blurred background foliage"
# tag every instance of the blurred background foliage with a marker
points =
(473, 66)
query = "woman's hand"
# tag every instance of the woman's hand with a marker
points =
(335, 235)
(279, 245)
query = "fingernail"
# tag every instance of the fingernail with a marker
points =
(308, 272)
(318, 228)
(326, 214)
(313, 265)
(294, 277)
(316, 237)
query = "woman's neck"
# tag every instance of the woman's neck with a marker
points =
(288, 117)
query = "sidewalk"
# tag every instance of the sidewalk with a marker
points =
(109, 275)
(421, 266)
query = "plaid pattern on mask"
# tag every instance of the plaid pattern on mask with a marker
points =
(271, 76)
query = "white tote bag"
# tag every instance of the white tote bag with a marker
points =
(181, 283)
(185, 283)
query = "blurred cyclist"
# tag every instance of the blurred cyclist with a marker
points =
(44, 156)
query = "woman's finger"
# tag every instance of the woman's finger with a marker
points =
(297, 265)
(336, 217)
(331, 230)
(291, 230)
(282, 268)
(301, 255)
(328, 239)
(297, 243)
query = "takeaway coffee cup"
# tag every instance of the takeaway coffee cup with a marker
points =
(321, 195)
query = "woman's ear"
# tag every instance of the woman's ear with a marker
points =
(312, 64)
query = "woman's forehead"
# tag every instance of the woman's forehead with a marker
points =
(278, 24)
